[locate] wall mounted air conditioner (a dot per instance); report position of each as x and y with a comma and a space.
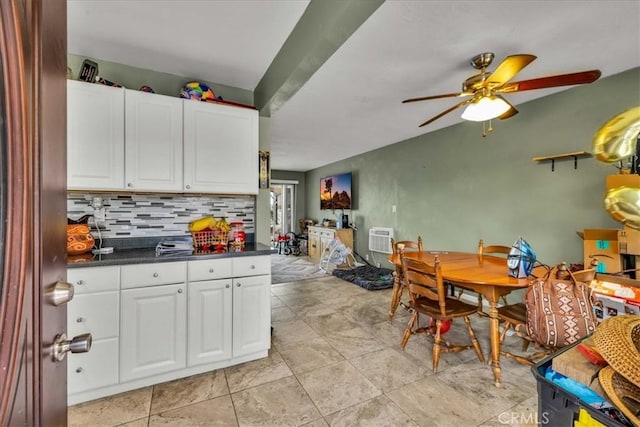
380, 239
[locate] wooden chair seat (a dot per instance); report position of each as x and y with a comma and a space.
428, 296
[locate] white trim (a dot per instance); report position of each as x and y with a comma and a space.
284, 181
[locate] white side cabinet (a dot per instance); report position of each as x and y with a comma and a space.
94, 309
95, 136
153, 135
220, 148
251, 305
153, 318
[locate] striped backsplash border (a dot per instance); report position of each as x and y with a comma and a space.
149, 215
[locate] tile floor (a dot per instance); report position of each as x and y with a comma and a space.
335, 360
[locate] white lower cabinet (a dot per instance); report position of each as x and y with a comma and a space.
209, 321
94, 309
251, 314
154, 323
154, 331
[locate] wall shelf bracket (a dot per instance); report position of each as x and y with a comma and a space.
575, 155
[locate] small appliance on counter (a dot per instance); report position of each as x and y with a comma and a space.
343, 221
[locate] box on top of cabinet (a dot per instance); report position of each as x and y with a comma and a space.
601, 245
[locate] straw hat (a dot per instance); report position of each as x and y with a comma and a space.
622, 393
617, 339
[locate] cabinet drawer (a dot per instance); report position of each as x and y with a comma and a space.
95, 369
251, 266
94, 279
97, 314
141, 275
208, 269
327, 234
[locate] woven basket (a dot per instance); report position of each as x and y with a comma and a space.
208, 239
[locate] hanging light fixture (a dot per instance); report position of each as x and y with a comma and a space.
485, 108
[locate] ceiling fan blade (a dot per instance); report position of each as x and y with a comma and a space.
447, 111
510, 112
426, 98
508, 68
578, 78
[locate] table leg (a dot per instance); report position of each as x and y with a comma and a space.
494, 331
396, 294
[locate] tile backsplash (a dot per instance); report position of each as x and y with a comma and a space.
149, 215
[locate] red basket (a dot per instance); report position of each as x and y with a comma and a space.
209, 238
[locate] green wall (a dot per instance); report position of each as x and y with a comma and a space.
454, 187
162, 83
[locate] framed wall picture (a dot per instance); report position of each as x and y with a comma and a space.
264, 175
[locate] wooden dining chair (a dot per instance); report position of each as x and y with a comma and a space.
398, 284
490, 250
514, 316
428, 296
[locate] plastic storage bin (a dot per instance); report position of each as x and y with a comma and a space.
558, 407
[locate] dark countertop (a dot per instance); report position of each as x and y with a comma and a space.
148, 255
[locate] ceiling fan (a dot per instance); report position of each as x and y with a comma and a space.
484, 89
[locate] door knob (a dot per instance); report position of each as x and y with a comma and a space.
61, 346
59, 293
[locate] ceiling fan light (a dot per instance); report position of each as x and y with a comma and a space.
486, 108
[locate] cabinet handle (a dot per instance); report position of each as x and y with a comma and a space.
211, 270
179, 291
253, 267
238, 285
227, 286
80, 319
187, 186
129, 185
155, 274
80, 282
79, 370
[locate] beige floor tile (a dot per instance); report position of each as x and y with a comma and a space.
291, 332
379, 411
294, 301
257, 372
276, 302
337, 386
214, 412
353, 342
389, 369
331, 322
282, 314
279, 403
320, 422
321, 309
524, 414
432, 403
304, 356
185, 391
112, 410
142, 422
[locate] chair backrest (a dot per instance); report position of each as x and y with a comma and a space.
492, 249
406, 244
424, 279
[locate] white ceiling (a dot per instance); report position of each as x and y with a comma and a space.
352, 104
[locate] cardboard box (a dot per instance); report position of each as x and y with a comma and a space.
601, 244
629, 241
571, 363
628, 180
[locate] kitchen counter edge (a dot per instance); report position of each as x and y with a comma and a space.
148, 256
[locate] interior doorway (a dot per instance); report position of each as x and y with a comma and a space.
283, 208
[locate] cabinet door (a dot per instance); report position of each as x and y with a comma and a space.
314, 245
95, 369
95, 136
251, 314
209, 321
153, 135
220, 148
153, 331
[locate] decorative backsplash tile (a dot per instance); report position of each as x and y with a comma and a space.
148, 215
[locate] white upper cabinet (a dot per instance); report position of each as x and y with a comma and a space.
220, 148
153, 135
95, 136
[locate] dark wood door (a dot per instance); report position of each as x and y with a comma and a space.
33, 49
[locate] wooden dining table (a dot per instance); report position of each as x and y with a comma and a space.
485, 274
